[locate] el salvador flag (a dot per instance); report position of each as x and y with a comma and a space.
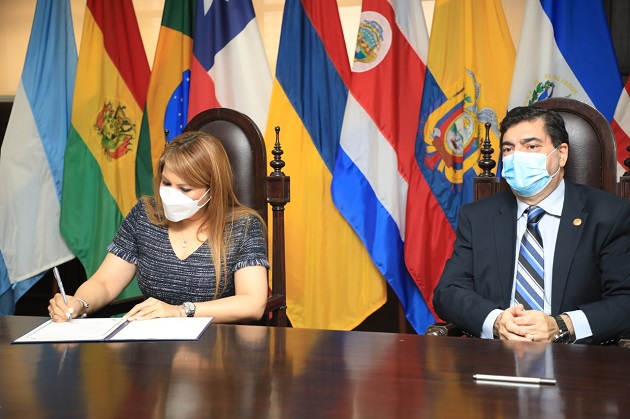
31, 161
566, 50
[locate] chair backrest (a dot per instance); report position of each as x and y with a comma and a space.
246, 151
245, 148
592, 149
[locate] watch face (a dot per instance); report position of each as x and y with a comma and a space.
190, 308
564, 337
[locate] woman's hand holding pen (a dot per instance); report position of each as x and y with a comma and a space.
59, 311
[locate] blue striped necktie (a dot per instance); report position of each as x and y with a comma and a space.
530, 272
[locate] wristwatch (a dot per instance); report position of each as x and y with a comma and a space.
563, 335
189, 308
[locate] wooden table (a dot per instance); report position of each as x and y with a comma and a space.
253, 371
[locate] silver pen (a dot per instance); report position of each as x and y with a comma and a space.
61, 290
514, 379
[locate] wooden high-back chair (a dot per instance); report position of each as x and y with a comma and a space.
246, 151
592, 161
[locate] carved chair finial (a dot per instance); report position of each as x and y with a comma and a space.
486, 164
277, 164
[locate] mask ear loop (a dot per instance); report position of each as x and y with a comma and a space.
209, 198
557, 171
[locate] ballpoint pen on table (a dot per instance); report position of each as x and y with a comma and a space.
513, 379
61, 290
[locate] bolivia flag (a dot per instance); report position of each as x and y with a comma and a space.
100, 161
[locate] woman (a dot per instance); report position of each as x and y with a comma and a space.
175, 242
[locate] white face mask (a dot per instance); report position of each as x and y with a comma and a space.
177, 206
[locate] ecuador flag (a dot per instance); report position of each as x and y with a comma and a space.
100, 160
331, 281
469, 70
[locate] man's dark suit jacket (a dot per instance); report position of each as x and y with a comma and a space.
591, 269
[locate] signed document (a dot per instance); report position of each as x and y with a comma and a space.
111, 330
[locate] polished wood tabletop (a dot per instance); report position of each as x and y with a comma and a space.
263, 372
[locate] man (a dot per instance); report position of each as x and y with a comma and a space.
548, 261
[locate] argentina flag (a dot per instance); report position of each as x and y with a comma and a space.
31, 166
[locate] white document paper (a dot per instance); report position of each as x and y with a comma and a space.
95, 330
170, 328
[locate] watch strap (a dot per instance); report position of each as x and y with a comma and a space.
563, 335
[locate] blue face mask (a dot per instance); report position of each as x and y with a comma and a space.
526, 173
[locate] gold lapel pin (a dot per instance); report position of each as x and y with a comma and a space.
577, 222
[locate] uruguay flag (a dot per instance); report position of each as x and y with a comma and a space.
229, 67
566, 50
31, 162
374, 162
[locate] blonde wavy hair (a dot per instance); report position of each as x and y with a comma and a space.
200, 160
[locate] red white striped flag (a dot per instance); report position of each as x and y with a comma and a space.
621, 127
378, 137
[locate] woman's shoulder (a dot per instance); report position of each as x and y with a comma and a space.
142, 208
246, 218
245, 223
147, 202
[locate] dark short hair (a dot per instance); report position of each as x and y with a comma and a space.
553, 122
